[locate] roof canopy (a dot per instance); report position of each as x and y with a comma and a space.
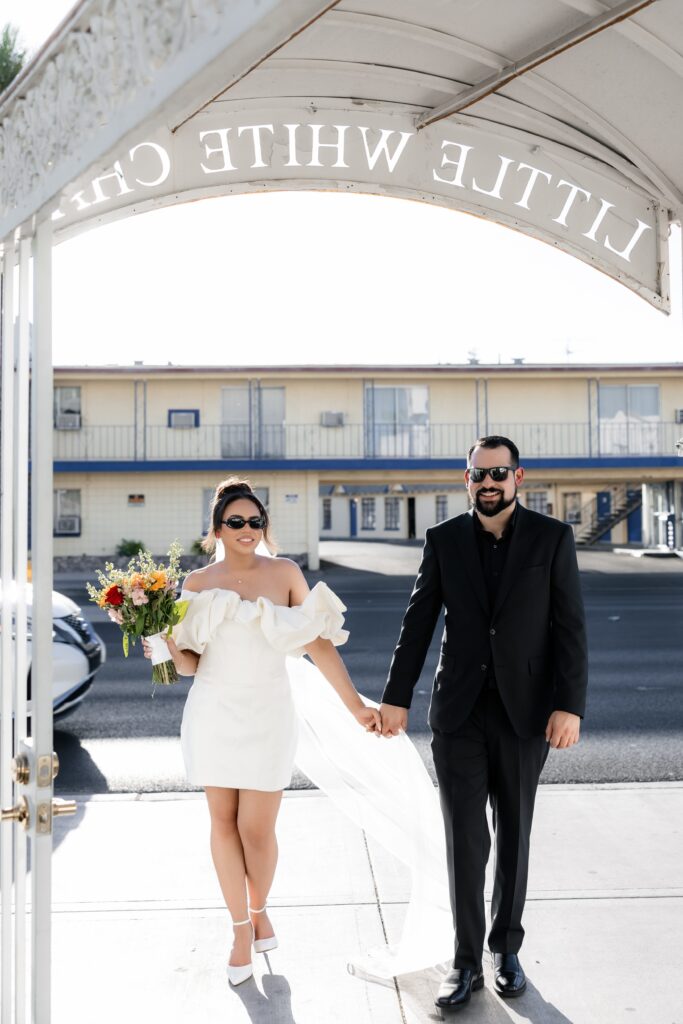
560, 119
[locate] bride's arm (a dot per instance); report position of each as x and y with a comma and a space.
185, 661
325, 657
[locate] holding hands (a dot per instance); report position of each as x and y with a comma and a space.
393, 719
369, 719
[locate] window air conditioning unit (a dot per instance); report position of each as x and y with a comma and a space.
332, 419
182, 419
678, 415
68, 421
69, 525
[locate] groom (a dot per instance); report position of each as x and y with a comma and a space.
511, 681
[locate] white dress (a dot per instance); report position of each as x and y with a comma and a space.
239, 726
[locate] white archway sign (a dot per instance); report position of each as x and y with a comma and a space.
509, 177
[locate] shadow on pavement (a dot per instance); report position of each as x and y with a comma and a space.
274, 1004
485, 1007
75, 765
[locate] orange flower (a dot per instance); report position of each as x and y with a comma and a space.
101, 601
136, 580
158, 580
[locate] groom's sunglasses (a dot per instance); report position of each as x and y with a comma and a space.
239, 522
497, 473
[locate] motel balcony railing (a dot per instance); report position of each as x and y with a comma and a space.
359, 441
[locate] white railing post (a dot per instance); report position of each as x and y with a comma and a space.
41, 668
6, 645
21, 478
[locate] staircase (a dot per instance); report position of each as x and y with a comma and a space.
594, 524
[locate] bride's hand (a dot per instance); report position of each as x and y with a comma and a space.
369, 719
147, 650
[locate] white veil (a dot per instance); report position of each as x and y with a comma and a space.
383, 786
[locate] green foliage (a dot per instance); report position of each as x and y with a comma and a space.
129, 548
11, 57
196, 547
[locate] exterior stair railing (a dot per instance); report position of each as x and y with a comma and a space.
595, 523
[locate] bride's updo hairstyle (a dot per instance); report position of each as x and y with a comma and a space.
228, 491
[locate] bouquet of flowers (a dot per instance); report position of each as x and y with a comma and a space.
141, 600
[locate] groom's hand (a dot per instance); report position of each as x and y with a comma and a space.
562, 729
393, 719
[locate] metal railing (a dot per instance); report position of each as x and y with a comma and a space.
358, 441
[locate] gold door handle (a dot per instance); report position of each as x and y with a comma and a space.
21, 769
18, 813
64, 807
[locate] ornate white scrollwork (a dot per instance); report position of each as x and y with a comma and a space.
115, 51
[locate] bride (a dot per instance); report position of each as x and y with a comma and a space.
239, 732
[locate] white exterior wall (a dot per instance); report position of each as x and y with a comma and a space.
174, 508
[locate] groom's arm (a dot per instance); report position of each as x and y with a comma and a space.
417, 629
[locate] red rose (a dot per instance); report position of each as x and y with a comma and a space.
113, 595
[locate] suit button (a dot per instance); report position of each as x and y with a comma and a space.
492, 632
483, 668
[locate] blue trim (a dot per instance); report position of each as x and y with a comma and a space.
285, 465
195, 412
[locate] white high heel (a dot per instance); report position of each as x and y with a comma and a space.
263, 945
236, 975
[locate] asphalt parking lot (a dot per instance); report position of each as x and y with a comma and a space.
123, 739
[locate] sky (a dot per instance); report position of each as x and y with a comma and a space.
333, 278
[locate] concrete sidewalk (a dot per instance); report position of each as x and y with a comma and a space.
141, 933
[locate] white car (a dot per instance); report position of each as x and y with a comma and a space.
77, 653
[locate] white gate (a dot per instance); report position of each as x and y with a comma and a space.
27, 762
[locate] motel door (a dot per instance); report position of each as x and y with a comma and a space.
28, 765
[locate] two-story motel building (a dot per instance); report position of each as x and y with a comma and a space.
371, 452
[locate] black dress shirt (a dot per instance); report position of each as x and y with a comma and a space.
493, 553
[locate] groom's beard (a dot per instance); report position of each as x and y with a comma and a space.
492, 508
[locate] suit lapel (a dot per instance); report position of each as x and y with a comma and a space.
520, 543
469, 554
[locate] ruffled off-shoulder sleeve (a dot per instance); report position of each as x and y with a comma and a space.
287, 630
321, 614
205, 612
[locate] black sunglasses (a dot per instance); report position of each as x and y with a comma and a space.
239, 522
497, 473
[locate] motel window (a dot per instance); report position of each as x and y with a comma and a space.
537, 501
397, 420
441, 507
629, 419
629, 401
327, 513
67, 408
392, 513
368, 515
572, 506
66, 513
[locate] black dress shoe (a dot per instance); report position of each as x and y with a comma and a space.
508, 977
457, 987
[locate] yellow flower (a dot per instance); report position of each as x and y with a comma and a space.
101, 601
158, 580
136, 580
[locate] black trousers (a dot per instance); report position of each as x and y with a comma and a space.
486, 760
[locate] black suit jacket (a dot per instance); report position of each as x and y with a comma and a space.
535, 633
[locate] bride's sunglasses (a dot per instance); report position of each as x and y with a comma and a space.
239, 522
497, 473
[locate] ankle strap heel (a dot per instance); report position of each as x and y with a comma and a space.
263, 945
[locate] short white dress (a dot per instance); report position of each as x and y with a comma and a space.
239, 726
